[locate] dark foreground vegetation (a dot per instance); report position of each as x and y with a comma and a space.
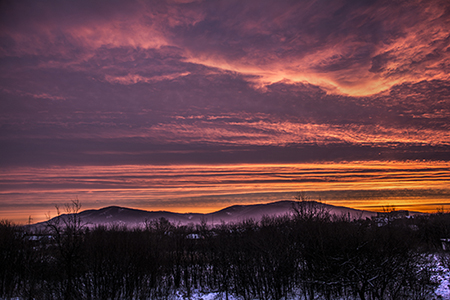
309, 255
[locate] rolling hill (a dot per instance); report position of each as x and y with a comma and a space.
115, 215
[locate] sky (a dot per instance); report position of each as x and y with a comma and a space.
197, 105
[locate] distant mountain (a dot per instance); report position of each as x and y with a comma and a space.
115, 215
238, 213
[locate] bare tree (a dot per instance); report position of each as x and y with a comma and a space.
307, 209
67, 232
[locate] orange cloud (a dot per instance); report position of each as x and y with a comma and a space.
174, 187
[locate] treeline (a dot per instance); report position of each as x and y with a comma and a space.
308, 255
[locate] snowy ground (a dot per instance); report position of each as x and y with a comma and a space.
442, 293
443, 290
205, 296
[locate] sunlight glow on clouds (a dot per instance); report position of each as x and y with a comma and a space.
282, 133
385, 48
155, 187
92, 85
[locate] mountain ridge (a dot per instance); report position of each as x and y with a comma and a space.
132, 217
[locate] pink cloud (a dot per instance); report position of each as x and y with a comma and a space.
370, 50
135, 78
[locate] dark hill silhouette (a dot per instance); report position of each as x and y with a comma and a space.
256, 211
115, 215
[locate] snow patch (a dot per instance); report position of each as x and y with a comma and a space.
443, 289
198, 295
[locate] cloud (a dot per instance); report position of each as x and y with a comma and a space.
223, 76
146, 103
346, 47
330, 45
134, 78
184, 187
36, 96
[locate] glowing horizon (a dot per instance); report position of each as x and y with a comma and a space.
206, 188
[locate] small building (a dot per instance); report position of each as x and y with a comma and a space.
384, 218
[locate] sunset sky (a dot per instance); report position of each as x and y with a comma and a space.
192, 106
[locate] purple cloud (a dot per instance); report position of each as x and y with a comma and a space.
101, 83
